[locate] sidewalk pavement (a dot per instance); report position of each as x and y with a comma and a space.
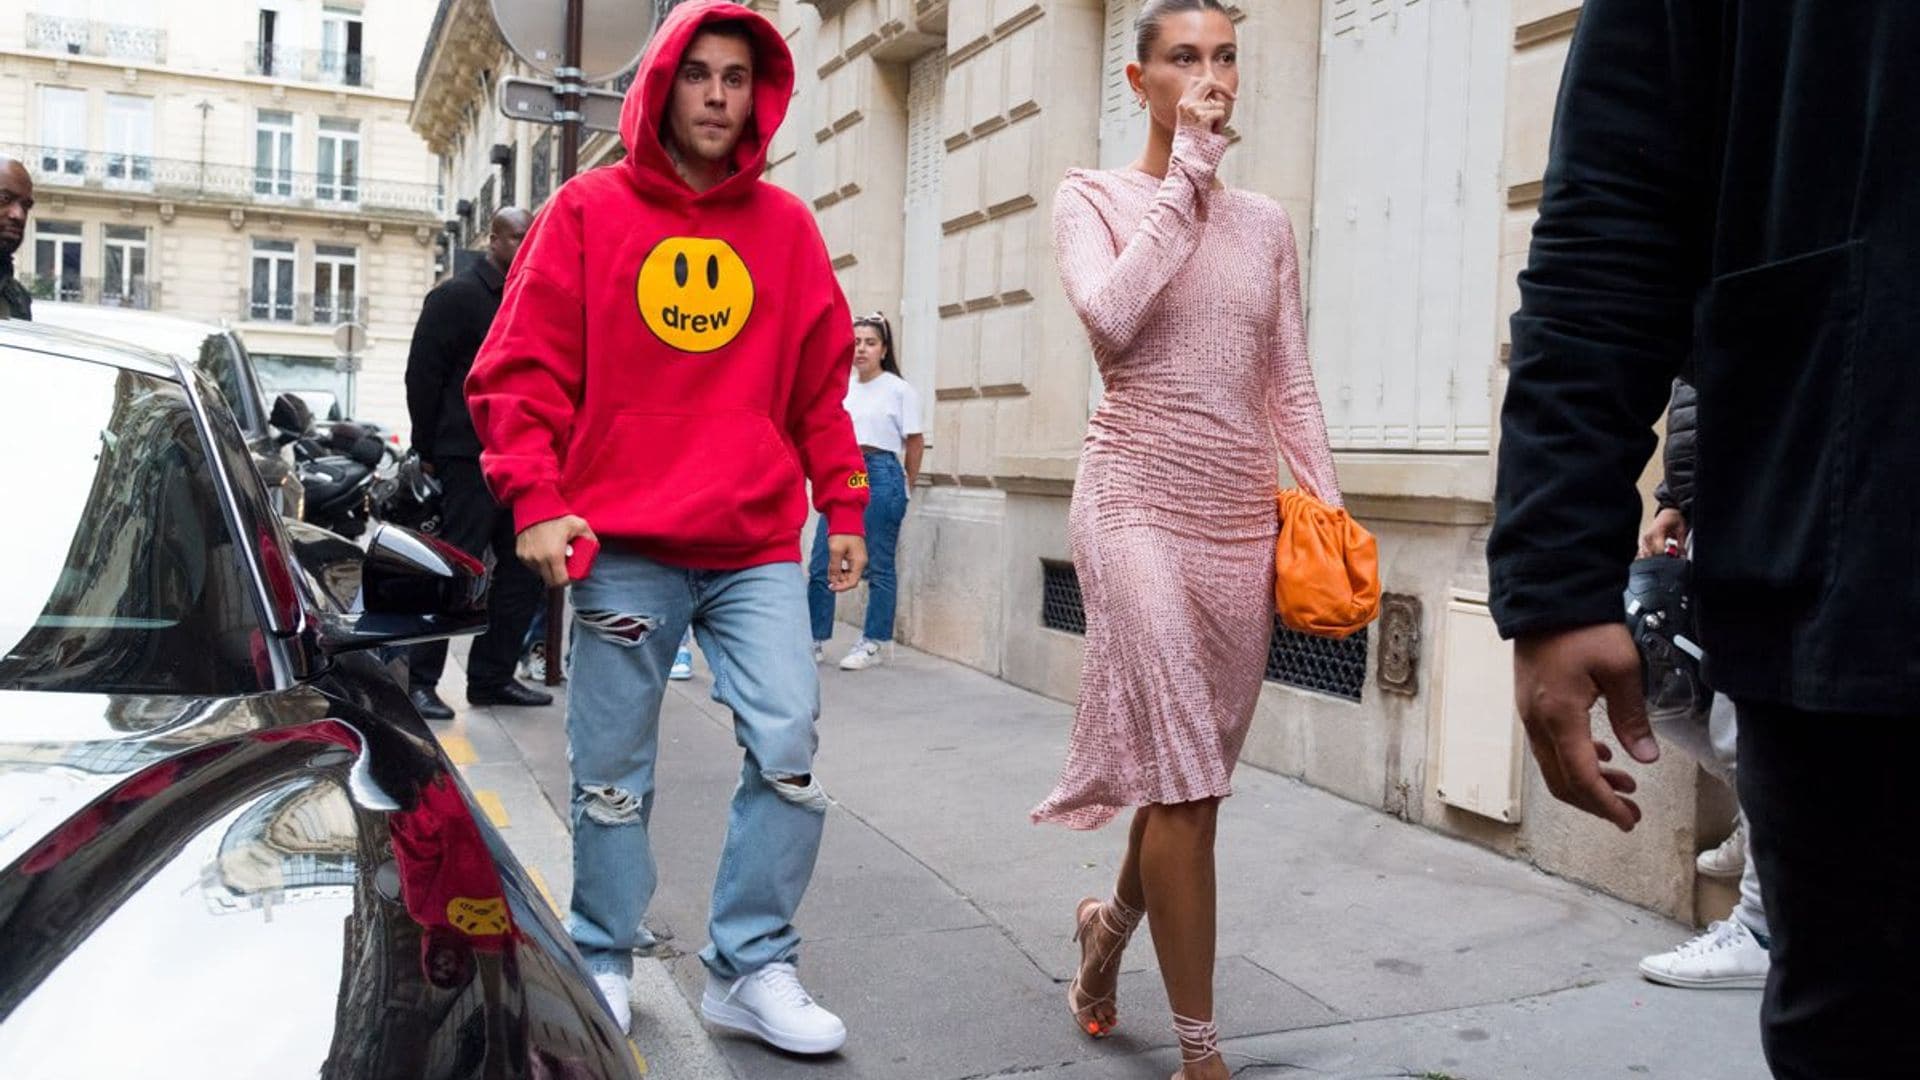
1352, 945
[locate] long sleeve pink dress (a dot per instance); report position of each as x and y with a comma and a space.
1191, 295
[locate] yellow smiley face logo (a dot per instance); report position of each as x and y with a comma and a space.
478, 918
695, 294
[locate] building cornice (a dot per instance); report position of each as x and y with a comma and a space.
463, 43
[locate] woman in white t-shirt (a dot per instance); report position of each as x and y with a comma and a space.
886, 420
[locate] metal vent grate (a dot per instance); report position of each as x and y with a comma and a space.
1060, 604
1324, 665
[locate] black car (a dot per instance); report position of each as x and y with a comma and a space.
228, 845
220, 355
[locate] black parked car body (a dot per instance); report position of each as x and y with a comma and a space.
228, 846
219, 354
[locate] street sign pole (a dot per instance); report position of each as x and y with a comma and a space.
569, 115
620, 29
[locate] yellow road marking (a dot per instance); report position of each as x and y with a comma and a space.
637, 1058
459, 750
540, 882
495, 809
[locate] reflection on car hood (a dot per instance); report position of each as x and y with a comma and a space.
277, 885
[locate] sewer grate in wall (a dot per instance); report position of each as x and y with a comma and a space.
1323, 665
1337, 667
1060, 605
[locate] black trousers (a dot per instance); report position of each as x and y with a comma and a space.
1830, 805
474, 523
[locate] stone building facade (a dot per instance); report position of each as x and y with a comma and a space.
1407, 139
248, 163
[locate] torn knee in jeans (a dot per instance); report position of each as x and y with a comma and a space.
611, 805
799, 790
623, 629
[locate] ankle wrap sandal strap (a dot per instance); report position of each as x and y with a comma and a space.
1199, 1039
1121, 921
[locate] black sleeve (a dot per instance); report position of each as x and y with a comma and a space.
1676, 487
429, 365
1606, 305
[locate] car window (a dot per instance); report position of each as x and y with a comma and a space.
224, 361
122, 574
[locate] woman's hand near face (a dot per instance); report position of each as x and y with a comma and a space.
1206, 105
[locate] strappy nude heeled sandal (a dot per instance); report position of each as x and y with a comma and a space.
1115, 918
1199, 1040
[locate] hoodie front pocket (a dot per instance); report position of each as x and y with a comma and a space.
721, 480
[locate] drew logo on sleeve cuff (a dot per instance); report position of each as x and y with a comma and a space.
857, 480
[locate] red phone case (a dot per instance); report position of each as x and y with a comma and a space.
580, 555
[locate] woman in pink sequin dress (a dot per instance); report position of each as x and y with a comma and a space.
1190, 292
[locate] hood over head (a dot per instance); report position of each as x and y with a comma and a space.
646, 107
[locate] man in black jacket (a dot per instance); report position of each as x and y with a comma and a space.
16, 202
453, 323
1731, 189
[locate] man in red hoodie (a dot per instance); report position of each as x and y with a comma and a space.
664, 377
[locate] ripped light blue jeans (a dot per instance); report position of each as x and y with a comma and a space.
752, 627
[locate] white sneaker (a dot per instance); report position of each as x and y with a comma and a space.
863, 655
682, 668
533, 666
819, 652
772, 1005
1726, 957
1729, 860
617, 998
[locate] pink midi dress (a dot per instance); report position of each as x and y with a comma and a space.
1191, 295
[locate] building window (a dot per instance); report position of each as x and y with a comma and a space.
273, 153
335, 283
483, 214
56, 260
130, 141
266, 47
540, 171
271, 297
341, 57
339, 159
63, 135
125, 282
1410, 207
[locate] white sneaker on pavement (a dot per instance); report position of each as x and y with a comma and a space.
819, 652
863, 655
617, 998
771, 1005
682, 668
1726, 957
1729, 860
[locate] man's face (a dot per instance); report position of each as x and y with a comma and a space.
503, 243
16, 202
712, 98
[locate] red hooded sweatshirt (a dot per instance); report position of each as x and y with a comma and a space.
671, 365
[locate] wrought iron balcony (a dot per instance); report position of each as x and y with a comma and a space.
330, 66
174, 178
142, 295
302, 309
86, 37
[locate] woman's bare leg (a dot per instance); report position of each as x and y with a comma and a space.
1105, 933
1177, 874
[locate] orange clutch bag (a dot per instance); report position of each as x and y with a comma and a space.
1326, 568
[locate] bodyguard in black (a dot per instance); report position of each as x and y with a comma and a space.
453, 323
16, 202
1732, 191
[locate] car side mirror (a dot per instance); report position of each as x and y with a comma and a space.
413, 588
290, 416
